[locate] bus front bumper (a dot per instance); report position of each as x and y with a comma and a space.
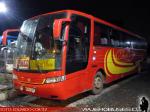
50, 91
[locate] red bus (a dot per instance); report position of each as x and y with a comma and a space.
7, 41
5, 36
64, 53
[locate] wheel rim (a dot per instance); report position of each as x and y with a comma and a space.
97, 82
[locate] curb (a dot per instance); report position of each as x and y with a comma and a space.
3, 96
4, 92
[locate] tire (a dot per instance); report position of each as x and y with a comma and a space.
97, 83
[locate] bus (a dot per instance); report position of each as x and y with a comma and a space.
10, 39
65, 53
9, 36
7, 43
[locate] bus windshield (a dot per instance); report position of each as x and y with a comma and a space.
36, 48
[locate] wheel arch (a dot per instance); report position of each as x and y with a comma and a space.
103, 74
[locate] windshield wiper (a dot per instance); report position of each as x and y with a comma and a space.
25, 37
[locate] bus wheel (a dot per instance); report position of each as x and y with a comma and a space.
97, 83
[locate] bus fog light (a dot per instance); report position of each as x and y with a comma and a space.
55, 79
15, 77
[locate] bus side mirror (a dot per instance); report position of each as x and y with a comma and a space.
57, 27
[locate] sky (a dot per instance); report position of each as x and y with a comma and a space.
132, 15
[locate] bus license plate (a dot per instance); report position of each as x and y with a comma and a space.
32, 90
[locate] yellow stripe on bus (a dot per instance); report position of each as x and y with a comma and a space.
112, 68
119, 62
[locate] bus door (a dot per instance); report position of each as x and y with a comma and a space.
78, 52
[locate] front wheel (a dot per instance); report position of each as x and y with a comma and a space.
97, 83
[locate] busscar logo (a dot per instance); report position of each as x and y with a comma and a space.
144, 104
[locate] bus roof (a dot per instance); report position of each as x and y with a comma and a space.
95, 19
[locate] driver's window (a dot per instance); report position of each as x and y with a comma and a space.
78, 44
44, 37
75, 44
44, 43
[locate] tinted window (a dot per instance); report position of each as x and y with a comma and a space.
138, 43
78, 44
114, 37
100, 34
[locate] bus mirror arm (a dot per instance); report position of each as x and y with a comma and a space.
57, 27
63, 41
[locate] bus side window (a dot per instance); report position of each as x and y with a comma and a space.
125, 40
114, 37
100, 34
137, 43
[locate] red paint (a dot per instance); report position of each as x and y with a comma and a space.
57, 26
79, 81
5, 33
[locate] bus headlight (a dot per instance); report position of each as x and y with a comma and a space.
55, 79
15, 77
